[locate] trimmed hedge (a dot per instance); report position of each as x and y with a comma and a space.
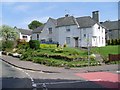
34, 44
113, 42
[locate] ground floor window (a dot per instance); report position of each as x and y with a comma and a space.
37, 36
24, 37
50, 39
68, 40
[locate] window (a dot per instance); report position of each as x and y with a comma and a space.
43, 40
102, 40
68, 28
50, 39
99, 39
84, 35
24, 36
84, 28
99, 27
102, 30
50, 30
68, 40
94, 38
37, 36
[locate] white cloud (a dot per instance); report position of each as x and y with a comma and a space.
21, 8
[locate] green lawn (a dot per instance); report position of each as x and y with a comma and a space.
104, 51
73, 57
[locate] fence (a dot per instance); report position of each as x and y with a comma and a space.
114, 57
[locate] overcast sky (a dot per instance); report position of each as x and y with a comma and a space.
20, 14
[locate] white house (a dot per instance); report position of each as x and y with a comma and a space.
25, 34
75, 32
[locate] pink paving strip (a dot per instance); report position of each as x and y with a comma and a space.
106, 79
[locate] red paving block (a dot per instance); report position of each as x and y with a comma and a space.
106, 79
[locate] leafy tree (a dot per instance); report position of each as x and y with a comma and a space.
34, 24
8, 33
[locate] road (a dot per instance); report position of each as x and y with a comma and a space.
13, 77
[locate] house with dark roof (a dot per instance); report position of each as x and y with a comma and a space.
25, 34
75, 32
112, 31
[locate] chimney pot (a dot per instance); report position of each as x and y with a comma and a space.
66, 15
95, 15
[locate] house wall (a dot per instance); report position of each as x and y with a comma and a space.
27, 39
85, 37
45, 33
98, 36
34, 36
62, 34
112, 34
93, 35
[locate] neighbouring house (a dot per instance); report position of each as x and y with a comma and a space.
25, 34
75, 32
112, 31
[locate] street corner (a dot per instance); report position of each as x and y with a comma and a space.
105, 79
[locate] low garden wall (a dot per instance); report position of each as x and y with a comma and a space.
114, 57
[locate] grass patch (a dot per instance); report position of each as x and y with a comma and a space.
105, 51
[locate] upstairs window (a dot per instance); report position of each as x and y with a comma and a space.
99, 27
84, 35
50, 30
68, 28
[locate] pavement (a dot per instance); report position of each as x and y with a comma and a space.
28, 65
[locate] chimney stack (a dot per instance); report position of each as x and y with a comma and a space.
67, 15
95, 15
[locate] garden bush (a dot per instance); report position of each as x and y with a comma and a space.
48, 45
113, 42
34, 44
92, 57
9, 44
58, 50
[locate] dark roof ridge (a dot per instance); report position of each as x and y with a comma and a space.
24, 29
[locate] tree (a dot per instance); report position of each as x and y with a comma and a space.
8, 33
34, 24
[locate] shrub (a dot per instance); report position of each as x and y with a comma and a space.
34, 44
108, 42
23, 46
47, 45
0, 45
58, 50
65, 45
7, 44
21, 41
92, 57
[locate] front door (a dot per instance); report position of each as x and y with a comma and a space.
76, 41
